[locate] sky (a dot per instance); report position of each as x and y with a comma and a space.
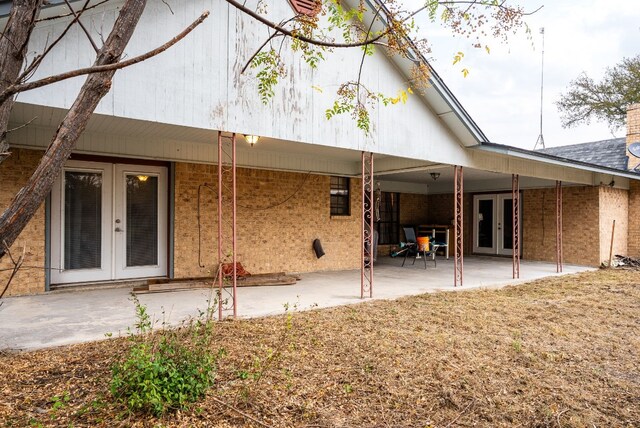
502, 89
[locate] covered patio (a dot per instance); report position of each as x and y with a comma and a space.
65, 317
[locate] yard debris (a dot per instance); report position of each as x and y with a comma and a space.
241, 272
627, 262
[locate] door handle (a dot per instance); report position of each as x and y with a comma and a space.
117, 229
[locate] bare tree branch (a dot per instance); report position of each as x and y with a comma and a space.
64, 15
291, 34
22, 126
240, 412
17, 264
26, 202
364, 52
13, 49
168, 6
77, 18
271, 37
14, 89
38, 60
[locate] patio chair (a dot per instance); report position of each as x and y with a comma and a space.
418, 250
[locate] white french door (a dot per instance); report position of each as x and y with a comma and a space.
493, 224
80, 210
140, 222
108, 222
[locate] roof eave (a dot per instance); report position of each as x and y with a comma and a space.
443, 92
554, 160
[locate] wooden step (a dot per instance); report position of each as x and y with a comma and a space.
163, 285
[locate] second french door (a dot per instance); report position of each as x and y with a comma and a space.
108, 221
140, 221
493, 224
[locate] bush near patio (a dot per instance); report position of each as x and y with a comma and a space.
165, 370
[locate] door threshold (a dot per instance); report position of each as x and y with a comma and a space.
101, 285
495, 256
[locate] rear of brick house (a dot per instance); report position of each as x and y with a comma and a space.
138, 198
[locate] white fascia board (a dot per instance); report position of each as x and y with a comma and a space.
437, 96
525, 154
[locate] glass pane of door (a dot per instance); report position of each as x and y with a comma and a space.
387, 213
485, 223
82, 220
142, 220
507, 224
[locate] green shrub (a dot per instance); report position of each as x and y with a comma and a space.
165, 370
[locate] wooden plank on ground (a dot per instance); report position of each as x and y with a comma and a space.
163, 285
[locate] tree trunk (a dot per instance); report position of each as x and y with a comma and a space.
13, 48
31, 196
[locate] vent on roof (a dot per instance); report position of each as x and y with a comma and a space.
306, 7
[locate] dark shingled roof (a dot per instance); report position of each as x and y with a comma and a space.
608, 153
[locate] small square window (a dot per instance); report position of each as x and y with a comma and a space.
340, 196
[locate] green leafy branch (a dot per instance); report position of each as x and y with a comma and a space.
356, 99
270, 70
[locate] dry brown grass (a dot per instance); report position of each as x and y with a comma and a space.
555, 352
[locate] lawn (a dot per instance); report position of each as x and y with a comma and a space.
563, 351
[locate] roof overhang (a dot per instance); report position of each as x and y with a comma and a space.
517, 152
437, 96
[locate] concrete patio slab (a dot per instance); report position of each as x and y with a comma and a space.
65, 317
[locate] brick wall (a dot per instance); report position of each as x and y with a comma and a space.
413, 209
441, 212
14, 173
189, 250
614, 205
633, 131
272, 240
634, 220
581, 225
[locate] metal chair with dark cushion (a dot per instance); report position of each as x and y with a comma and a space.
418, 250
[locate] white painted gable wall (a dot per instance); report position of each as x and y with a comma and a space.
197, 83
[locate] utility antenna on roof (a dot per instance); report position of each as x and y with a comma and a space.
540, 140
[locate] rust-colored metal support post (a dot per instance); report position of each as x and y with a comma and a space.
458, 256
367, 250
227, 224
559, 255
515, 198
220, 275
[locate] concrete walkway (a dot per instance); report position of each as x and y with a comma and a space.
65, 317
